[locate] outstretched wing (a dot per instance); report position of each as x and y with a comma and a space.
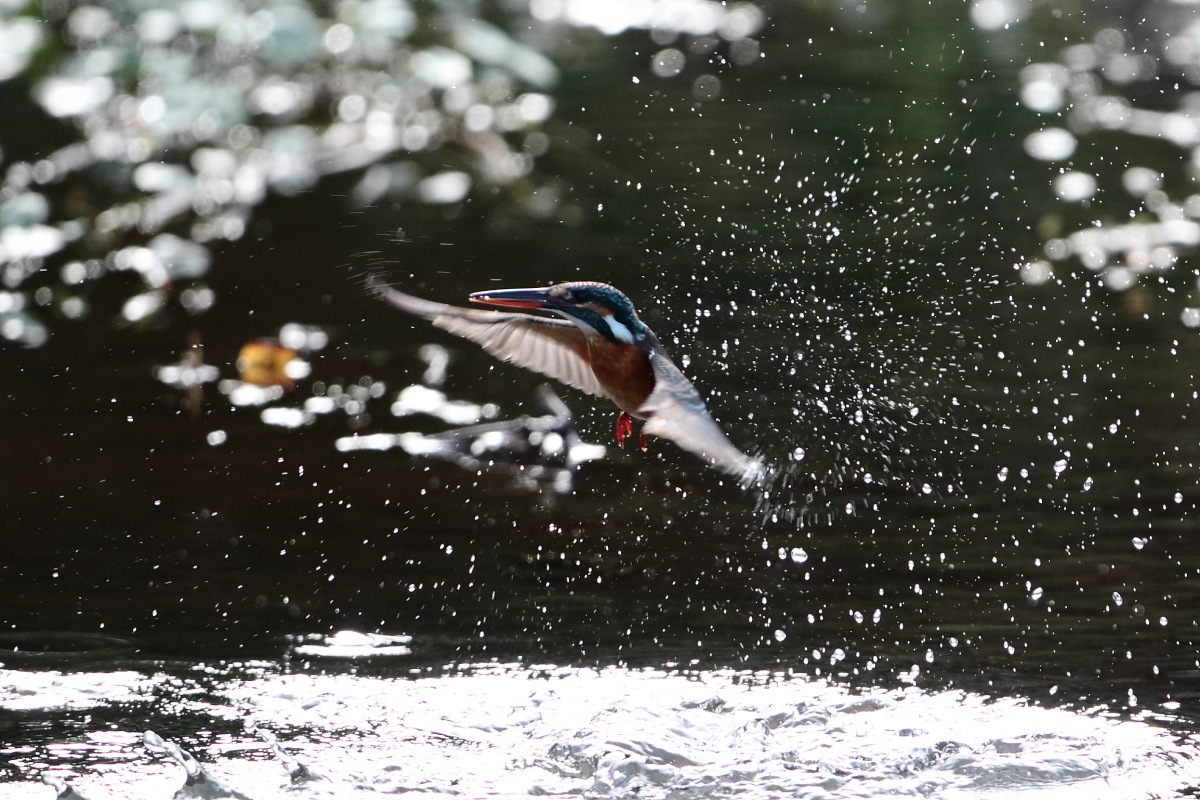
675, 411
550, 346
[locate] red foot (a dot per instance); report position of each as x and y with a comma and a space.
642, 440
624, 428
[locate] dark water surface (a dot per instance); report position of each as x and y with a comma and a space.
987, 452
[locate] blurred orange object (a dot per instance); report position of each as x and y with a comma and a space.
264, 362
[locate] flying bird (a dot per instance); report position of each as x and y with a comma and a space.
601, 347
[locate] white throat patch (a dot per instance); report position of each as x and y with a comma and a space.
619, 330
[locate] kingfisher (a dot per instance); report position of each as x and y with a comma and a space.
599, 346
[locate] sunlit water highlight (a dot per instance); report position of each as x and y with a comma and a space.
509, 731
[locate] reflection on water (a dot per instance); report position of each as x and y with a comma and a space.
538, 452
190, 115
1138, 232
508, 732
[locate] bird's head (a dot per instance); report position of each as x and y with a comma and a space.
597, 308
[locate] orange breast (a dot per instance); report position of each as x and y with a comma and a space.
623, 370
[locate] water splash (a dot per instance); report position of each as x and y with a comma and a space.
615, 733
199, 784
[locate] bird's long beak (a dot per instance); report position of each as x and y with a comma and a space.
518, 298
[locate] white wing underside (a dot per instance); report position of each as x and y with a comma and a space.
675, 411
552, 347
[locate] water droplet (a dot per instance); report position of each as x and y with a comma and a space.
1074, 186
668, 63
1051, 144
706, 87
